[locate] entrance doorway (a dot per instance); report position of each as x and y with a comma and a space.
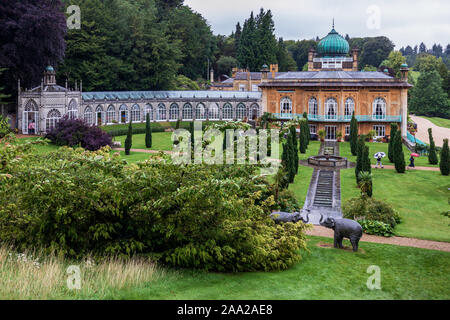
99, 118
330, 133
30, 123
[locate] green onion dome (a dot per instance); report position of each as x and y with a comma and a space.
333, 44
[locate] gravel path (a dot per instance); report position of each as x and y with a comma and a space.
439, 133
399, 241
407, 168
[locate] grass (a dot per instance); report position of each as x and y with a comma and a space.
375, 147
323, 273
440, 122
160, 141
419, 196
301, 184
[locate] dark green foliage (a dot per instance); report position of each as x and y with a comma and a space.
394, 128
148, 132
366, 166
444, 164
4, 127
213, 218
354, 135
293, 136
307, 131
377, 228
365, 183
302, 139
399, 156
129, 139
288, 158
370, 209
432, 156
359, 157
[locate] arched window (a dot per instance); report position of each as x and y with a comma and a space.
99, 116
110, 114
135, 113
379, 109
187, 112
200, 112
53, 118
312, 108
349, 108
213, 112
149, 111
30, 118
241, 111
174, 112
254, 111
227, 112
88, 115
286, 105
331, 109
123, 113
161, 112
73, 109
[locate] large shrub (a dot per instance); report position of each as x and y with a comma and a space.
377, 228
366, 208
75, 132
77, 202
4, 127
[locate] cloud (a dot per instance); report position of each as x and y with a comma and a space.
405, 22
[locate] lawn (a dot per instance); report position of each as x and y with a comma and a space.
419, 196
375, 147
323, 273
160, 141
440, 122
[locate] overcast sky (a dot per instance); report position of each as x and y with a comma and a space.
405, 22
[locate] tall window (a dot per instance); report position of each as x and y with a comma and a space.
53, 118
227, 112
380, 131
123, 113
161, 112
110, 114
349, 108
254, 111
331, 109
187, 112
312, 108
148, 110
30, 118
241, 111
99, 116
286, 105
379, 109
312, 129
88, 115
135, 113
174, 112
213, 112
73, 109
200, 112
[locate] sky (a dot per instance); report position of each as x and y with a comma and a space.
405, 22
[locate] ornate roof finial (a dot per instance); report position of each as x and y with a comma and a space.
333, 22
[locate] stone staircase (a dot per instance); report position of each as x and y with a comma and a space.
324, 189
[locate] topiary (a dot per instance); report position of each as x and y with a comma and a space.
148, 132
399, 156
444, 164
432, 156
129, 139
394, 128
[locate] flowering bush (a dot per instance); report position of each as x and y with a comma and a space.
75, 132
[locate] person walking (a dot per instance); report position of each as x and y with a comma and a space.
379, 164
411, 162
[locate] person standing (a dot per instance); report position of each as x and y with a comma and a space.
411, 162
379, 162
31, 127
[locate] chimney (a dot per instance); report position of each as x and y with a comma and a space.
355, 54
273, 70
311, 54
264, 73
404, 72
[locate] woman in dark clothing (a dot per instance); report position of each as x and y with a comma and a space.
411, 162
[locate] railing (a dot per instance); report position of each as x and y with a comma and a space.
338, 118
412, 139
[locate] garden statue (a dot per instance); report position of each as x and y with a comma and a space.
282, 217
343, 228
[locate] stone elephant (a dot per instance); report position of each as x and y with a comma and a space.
283, 217
343, 228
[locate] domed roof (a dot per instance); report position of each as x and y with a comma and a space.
49, 68
333, 44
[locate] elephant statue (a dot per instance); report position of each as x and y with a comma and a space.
282, 217
343, 228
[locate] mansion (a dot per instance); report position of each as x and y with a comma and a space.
329, 92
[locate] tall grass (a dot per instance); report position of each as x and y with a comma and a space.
31, 275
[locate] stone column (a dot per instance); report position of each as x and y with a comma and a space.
404, 111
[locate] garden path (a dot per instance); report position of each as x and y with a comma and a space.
415, 168
439, 133
399, 241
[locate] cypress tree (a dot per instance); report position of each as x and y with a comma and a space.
394, 128
366, 166
432, 156
445, 159
399, 156
302, 138
148, 132
295, 158
308, 135
191, 130
129, 139
354, 135
359, 159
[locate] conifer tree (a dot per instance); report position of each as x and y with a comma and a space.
399, 156
359, 159
308, 135
394, 128
148, 132
444, 165
432, 156
129, 139
293, 136
366, 166
354, 135
302, 138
